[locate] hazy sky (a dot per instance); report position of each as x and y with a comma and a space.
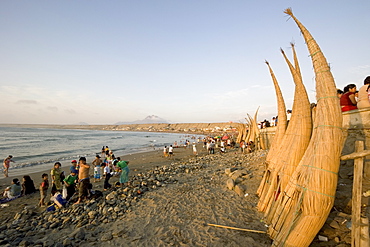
100, 62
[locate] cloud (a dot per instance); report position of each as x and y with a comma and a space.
361, 69
52, 108
70, 111
27, 102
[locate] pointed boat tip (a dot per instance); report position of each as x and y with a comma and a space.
288, 11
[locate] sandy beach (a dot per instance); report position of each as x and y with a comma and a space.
170, 202
139, 162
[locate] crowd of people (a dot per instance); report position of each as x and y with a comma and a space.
77, 182
210, 144
351, 99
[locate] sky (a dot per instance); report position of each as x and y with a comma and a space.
103, 62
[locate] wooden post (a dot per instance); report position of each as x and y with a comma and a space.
356, 196
359, 225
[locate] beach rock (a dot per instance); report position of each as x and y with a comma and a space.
240, 189
16, 241
54, 225
230, 184
236, 174
106, 237
58, 245
334, 223
4, 242
79, 234
67, 242
17, 216
24, 243
111, 202
118, 233
92, 214
111, 196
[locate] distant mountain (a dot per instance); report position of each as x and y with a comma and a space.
82, 123
148, 120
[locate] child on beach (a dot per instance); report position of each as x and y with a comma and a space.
97, 166
6, 165
170, 151
44, 186
107, 175
69, 183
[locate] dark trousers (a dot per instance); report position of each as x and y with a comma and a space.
107, 185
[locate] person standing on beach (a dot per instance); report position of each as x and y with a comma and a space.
165, 152
195, 152
73, 166
123, 165
6, 165
44, 186
107, 175
84, 180
170, 151
97, 167
55, 178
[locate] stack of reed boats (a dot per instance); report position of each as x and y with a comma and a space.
298, 188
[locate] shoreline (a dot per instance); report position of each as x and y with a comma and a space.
139, 161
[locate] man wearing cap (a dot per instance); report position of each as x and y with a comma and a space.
6, 165
84, 179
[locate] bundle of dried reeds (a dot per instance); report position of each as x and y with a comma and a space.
259, 141
275, 147
241, 132
293, 144
281, 127
310, 193
297, 136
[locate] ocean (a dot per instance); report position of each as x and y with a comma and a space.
36, 149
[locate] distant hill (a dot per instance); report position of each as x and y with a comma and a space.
148, 120
82, 123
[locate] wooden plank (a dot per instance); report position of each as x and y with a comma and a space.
357, 154
356, 196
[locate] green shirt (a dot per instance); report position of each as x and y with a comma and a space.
122, 164
70, 179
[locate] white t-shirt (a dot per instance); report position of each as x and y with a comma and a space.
106, 170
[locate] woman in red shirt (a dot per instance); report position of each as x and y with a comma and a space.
348, 100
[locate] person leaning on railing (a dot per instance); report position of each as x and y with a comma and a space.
348, 100
363, 95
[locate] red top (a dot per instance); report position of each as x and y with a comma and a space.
346, 102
